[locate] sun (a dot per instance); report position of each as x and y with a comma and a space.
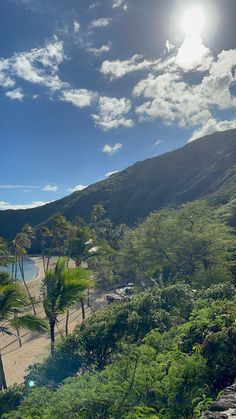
193, 21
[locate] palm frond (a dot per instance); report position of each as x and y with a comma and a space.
5, 331
72, 292
5, 278
12, 297
30, 322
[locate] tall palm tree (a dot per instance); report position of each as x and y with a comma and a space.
61, 288
14, 304
21, 244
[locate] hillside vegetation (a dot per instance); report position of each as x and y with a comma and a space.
203, 168
163, 352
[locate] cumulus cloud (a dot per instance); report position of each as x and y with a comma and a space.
120, 3
50, 188
77, 188
5, 80
15, 94
101, 22
225, 63
112, 149
193, 55
108, 174
79, 97
212, 125
112, 113
101, 50
119, 68
37, 66
8, 206
169, 96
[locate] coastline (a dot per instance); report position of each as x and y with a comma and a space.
34, 283
36, 347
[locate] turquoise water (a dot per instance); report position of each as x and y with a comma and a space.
29, 267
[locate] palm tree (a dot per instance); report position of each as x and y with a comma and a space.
60, 231
45, 234
21, 244
13, 315
61, 288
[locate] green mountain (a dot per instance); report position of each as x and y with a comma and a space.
203, 168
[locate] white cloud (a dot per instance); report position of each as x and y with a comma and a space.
76, 26
225, 63
101, 22
50, 188
8, 206
173, 99
112, 149
15, 94
79, 97
157, 142
119, 68
108, 174
212, 125
169, 46
18, 187
101, 50
37, 66
77, 188
193, 55
120, 3
5, 80
94, 5
112, 113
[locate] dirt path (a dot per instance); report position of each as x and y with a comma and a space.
36, 347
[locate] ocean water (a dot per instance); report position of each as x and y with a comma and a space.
29, 267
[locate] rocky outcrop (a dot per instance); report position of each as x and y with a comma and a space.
223, 408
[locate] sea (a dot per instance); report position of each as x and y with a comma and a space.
29, 267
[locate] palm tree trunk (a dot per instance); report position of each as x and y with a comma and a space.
48, 261
44, 267
3, 383
16, 269
82, 308
18, 332
21, 266
67, 322
12, 269
88, 298
52, 336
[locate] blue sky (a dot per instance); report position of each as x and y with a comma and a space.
89, 87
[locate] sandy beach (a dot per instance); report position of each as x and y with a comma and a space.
36, 347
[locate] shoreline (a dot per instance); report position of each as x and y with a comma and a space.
38, 261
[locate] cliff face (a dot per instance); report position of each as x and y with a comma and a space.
223, 408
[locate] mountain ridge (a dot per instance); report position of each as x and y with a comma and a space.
203, 168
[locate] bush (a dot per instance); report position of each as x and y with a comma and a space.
11, 399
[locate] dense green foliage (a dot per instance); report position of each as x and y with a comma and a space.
165, 351
169, 373
190, 245
202, 168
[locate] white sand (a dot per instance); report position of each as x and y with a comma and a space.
35, 347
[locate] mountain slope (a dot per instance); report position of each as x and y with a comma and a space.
203, 168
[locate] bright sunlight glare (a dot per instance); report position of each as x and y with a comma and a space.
193, 21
